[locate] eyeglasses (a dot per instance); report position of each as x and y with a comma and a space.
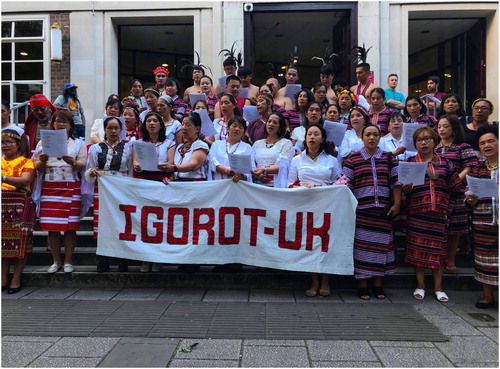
481, 108
426, 139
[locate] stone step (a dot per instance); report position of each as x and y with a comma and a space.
248, 278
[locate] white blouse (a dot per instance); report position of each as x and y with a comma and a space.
351, 142
389, 143
161, 149
125, 164
218, 155
200, 173
221, 127
172, 128
58, 169
323, 171
299, 134
267, 155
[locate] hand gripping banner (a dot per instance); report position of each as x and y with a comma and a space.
219, 222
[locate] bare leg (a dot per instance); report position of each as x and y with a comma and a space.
438, 278
55, 246
313, 290
452, 253
18, 270
69, 246
487, 293
362, 285
5, 272
325, 283
419, 273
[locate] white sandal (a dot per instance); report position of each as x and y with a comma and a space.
441, 296
419, 293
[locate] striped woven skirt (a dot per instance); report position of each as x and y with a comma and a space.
485, 239
60, 204
18, 219
373, 245
96, 209
458, 218
426, 244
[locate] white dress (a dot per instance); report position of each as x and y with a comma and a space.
200, 173
323, 171
161, 149
218, 155
389, 144
351, 142
268, 155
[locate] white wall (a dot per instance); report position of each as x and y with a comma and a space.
369, 33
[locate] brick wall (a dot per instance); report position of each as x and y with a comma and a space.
60, 73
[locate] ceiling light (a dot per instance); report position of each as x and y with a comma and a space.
23, 53
283, 67
280, 75
418, 90
447, 75
164, 65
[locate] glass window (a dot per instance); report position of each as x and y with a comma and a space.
28, 28
29, 51
6, 51
6, 29
6, 92
6, 71
28, 71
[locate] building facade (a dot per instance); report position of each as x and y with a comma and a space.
106, 43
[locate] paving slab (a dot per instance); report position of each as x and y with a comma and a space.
469, 349
330, 350
95, 294
65, 362
300, 296
346, 364
400, 344
212, 349
82, 347
19, 354
143, 294
274, 357
181, 294
474, 316
24, 292
148, 353
257, 342
477, 365
452, 325
226, 295
412, 357
350, 296
189, 363
271, 296
29, 339
52, 293
492, 333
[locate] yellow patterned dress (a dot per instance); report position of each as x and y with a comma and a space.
18, 210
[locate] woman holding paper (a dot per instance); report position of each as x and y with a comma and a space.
453, 147
352, 142
427, 208
257, 128
207, 87
297, 117
111, 157
379, 113
481, 111
314, 167
229, 110
219, 151
314, 117
273, 154
372, 175
172, 125
18, 211
416, 112
60, 199
485, 217
393, 142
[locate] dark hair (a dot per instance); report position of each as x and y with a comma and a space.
335, 105
161, 134
209, 78
460, 111
195, 118
393, 75
321, 119
6, 103
229, 61
318, 85
365, 66
423, 108
429, 131
379, 91
133, 81
322, 145
244, 71
232, 78
309, 94
233, 101
490, 128
204, 102
67, 116
368, 126
112, 102
434, 79
283, 127
153, 90
13, 132
340, 81
135, 110
171, 82
456, 126
293, 67
239, 120
113, 97
327, 70
109, 119
268, 86
197, 67
397, 114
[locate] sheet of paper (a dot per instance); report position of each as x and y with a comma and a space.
335, 131
144, 103
410, 172
291, 90
240, 163
54, 142
222, 83
207, 126
243, 92
482, 187
408, 131
250, 113
193, 98
146, 155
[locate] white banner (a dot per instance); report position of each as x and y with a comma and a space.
219, 222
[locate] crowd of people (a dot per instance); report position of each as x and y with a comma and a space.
289, 148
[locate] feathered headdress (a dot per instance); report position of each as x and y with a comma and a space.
230, 54
362, 53
293, 58
329, 58
192, 64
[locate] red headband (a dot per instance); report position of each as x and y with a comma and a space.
161, 70
39, 100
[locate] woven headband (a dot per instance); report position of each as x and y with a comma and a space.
12, 135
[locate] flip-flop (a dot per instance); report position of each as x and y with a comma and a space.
450, 268
419, 294
441, 296
311, 292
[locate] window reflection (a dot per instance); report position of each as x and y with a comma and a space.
28, 29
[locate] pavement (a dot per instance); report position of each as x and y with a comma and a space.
466, 336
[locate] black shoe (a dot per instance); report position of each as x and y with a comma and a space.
123, 265
6, 287
378, 291
485, 305
189, 268
103, 264
10, 291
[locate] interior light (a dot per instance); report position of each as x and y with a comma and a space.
164, 65
283, 67
23, 53
418, 90
447, 75
280, 75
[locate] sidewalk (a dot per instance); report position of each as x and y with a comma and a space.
119, 329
